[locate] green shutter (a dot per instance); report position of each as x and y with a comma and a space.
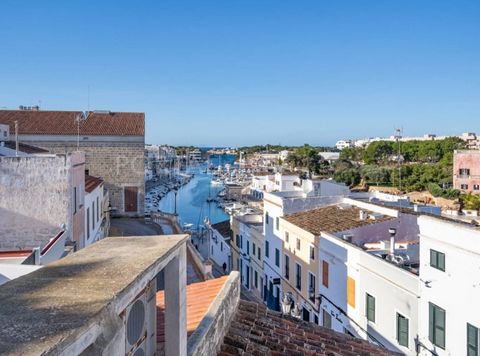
437, 330
440, 327
402, 330
431, 322
370, 308
441, 261
472, 340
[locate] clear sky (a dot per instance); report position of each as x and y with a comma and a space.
243, 72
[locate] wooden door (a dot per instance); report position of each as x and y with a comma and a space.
131, 194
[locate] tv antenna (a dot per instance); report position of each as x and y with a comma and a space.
398, 136
78, 118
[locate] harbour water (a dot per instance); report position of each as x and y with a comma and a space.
192, 205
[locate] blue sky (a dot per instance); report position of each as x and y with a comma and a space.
235, 73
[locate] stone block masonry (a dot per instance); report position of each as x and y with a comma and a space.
120, 164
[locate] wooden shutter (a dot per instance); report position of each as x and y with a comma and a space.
325, 273
351, 292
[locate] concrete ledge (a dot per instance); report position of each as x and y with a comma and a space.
208, 337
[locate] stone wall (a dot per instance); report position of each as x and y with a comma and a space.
120, 164
208, 337
35, 200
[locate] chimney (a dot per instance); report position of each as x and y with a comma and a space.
392, 231
363, 215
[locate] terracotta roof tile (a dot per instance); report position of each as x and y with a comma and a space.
332, 219
91, 183
64, 122
199, 297
255, 330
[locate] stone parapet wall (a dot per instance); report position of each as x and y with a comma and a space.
208, 337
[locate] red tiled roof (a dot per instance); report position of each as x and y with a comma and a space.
255, 330
91, 183
199, 297
33, 122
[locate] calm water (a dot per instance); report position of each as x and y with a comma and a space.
192, 207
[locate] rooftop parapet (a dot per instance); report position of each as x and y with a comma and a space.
83, 302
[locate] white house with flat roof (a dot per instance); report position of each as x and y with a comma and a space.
450, 287
362, 276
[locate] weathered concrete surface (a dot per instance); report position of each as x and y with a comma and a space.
208, 337
36, 197
48, 310
133, 227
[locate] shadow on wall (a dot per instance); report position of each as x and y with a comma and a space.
18, 231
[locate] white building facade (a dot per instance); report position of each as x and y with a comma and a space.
450, 287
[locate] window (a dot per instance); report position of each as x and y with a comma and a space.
237, 241
88, 223
277, 223
476, 187
402, 330
212, 250
436, 325
286, 236
312, 253
298, 276
256, 279
437, 260
266, 218
311, 287
248, 247
370, 308
253, 248
464, 186
464, 172
221, 246
287, 267
351, 292
325, 274
98, 210
472, 340
277, 257
259, 253
298, 244
241, 241
327, 319
267, 249
74, 200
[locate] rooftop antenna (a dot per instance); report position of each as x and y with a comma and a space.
398, 136
16, 138
78, 118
